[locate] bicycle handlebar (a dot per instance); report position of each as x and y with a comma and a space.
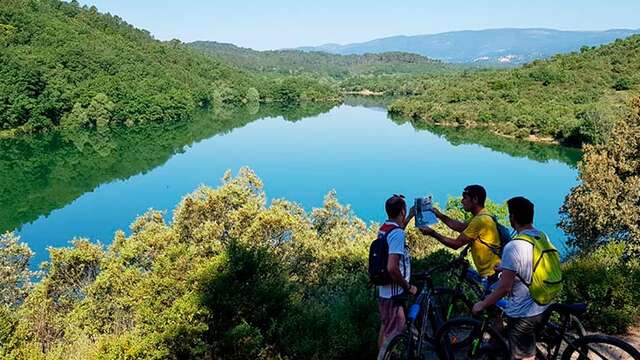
427, 274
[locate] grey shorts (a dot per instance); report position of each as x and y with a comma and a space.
522, 335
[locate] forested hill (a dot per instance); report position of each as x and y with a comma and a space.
336, 66
63, 64
573, 98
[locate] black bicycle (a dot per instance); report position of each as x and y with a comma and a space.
471, 338
423, 318
434, 306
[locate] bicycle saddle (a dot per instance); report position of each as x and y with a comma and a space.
573, 309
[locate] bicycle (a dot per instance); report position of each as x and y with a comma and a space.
428, 313
423, 318
483, 341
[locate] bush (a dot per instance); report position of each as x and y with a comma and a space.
609, 282
621, 84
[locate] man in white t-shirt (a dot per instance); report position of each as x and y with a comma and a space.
524, 315
399, 267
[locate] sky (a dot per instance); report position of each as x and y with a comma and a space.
280, 24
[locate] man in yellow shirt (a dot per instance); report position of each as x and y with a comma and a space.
481, 232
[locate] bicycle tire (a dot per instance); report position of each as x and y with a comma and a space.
395, 348
490, 344
600, 347
549, 338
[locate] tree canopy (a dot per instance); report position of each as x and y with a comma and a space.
606, 204
66, 65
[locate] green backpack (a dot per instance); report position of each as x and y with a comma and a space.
546, 274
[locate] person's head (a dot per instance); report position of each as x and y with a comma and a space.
396, 207
520, 211
473, 197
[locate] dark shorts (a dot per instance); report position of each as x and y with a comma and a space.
392, 316
522, 335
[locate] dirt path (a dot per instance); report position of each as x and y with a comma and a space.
633, 336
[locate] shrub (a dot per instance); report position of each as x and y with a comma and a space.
605, 205
609, 282
621, 84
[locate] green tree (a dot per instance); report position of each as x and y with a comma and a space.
605, 206
15, 276
100, 110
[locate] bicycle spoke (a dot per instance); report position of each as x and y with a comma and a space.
601, 348
396, 349
463, 339
600, 352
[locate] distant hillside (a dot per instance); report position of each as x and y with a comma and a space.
494, 46
63, 65
337, 66
573, 98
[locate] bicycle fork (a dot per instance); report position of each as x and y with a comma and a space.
475, 344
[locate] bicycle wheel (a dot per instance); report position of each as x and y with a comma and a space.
395, 348
477, 342
550, 340
600, 347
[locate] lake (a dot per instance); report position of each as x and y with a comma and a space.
59, 186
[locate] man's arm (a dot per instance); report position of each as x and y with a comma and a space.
393, 267
411, 215
504, 287
453, 224
452, 243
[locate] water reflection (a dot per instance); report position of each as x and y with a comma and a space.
56, 186
42, 173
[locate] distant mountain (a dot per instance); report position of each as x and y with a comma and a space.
494, 46
293, 62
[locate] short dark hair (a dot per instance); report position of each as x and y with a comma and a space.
521, 209
476, 191
394, 205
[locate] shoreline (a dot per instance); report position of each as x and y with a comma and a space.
364, 92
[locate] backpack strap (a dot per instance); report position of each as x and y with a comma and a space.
495, 250
385, 237
530, 239
391, 229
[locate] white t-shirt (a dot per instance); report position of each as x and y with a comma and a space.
397, 245
517, 256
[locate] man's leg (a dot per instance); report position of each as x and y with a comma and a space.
522, 337
392, 318
383, 307
399, 320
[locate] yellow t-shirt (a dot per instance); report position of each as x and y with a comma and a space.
482, 228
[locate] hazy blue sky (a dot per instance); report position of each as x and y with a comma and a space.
290, 23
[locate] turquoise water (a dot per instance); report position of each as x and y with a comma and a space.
356, 150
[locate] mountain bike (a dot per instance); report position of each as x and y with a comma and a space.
424, 316
480, 340
434, 306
